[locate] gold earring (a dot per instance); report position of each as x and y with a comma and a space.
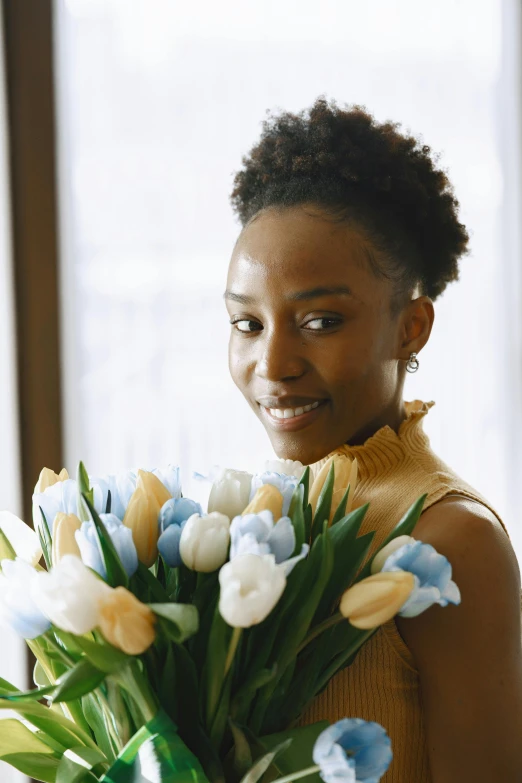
413, 363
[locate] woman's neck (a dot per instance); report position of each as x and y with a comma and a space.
392, 416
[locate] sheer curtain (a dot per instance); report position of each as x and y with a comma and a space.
12, 649
158, 101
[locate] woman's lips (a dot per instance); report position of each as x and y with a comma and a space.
295, 422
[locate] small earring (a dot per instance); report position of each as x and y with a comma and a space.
413, 363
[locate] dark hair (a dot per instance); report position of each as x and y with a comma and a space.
367, 173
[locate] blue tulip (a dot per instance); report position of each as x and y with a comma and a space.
17, 607
285, 484
121, 537
168, 544
60, 497
432, 572
353, 751
256, 534
170, 478
176, 511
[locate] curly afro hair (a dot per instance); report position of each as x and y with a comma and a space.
369, 174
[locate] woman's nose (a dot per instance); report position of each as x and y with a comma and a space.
279, 358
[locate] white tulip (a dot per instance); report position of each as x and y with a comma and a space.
204, 542
70, 595
22, 538
250, 588
230, 492
383, 554
287, 467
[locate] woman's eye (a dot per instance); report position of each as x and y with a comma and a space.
246, 325
321, 324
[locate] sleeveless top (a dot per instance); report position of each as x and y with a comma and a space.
382, 684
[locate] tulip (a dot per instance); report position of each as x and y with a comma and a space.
345, 473
121, 537
22, 538
125, 622
286, 467
256, 534
172, 519
61, 496
64, 541
431, 572
250, 588
230, 492
376, 599
121, 486
352, 750
204, 542
48, 477
285, 485
170, 479
69, 595
169, 543
17, 606
384, 553
266, 498
142, 515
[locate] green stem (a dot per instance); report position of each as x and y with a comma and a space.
236, 636
296, 775
329, 623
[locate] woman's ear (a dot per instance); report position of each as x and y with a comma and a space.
417, 321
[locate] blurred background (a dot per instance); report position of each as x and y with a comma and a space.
122, 123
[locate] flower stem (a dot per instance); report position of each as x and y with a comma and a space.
328, 623
236, 636
301, 774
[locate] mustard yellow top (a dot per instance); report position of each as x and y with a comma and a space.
382, 684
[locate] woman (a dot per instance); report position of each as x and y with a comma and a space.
350, 233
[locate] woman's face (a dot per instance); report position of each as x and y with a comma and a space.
312, 327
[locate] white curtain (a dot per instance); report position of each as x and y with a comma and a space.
12, 649
158, 102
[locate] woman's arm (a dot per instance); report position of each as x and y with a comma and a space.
469, 657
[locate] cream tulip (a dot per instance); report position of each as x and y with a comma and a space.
230, 492
125, 622
204, 542
345, 473
22, 538
64, 541
267, 498
376, 599
251, 585
142, 515
48, 477
384, 553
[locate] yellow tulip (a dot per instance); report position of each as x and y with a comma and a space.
125, 622
48, 477
64, 541
266, 498
376, 599
345, 473
142, 515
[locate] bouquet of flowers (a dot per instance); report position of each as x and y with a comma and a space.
174, 645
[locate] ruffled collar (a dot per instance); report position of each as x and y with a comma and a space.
386, 448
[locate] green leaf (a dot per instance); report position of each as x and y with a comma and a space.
148, 586
6, 549
260, 767
404, 527
81, 679
242, 755
324, 503
101, 655
17, 738
243, 698
95, 718
116, 574
341, 508
214, 668
44, 534
297, 516
85, 491
76, 765
298, 755
40, 678
181, 621
37, 766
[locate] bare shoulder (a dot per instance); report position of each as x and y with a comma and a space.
484, 566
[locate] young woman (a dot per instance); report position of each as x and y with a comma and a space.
350, 233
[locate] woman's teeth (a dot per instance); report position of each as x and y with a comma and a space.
289, 413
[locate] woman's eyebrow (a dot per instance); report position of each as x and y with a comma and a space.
298, 296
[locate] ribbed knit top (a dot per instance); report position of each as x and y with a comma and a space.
382, 684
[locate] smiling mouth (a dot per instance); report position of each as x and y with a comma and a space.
284, 419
